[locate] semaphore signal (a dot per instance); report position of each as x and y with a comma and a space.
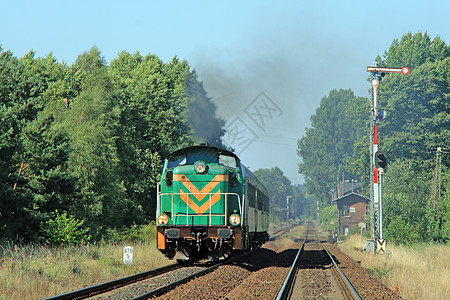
378, 157
376, 69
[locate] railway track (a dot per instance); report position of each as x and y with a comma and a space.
259, 274
172, 285
282, 231
188, 272
314, 273
114, 284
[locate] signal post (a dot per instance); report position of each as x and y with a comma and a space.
378, 158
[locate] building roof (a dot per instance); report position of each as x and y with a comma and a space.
349, 186
348, 195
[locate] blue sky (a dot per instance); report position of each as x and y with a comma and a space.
280, 56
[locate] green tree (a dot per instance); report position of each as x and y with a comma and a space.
328, 217
418, 111
158, 102
91, 124
23, 82
45, 150
279, 188
405, 195
152, 114
13, 205
415, 50
338, 123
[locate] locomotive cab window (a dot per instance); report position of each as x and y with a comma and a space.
176, 161
228, 161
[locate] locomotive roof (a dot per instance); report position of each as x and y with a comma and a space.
198, 147
245, 171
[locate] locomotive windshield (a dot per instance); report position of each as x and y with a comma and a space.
227, 160
176, 161
209, 156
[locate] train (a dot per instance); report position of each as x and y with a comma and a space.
209, 205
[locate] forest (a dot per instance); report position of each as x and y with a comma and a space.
84, 143
415, 135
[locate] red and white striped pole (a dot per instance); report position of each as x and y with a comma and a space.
374, 82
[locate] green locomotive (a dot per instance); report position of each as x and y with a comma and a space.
209, 205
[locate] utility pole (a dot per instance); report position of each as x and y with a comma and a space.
437, 178
287, 207
318, 212
436, 187
378, 161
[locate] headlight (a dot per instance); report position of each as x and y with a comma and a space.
200, 167
163, 219
235, 219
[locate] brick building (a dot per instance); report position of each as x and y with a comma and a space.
352, 208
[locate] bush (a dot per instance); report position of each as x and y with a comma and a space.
401, 232
328, 218
64, 230
136, 233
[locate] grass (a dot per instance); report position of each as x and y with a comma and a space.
36, 272
419, 271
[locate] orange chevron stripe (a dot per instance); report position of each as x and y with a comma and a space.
199, 209
207, 189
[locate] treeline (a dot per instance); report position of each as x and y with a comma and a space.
89, 138
287, 201
415, 135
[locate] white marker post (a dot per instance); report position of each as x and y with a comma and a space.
128, 255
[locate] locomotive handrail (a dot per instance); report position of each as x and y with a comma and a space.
159, 195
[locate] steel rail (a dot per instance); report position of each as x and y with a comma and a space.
113, 284
287, 284
280, 232
170, 286
344, 284
346, 287
161, 290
